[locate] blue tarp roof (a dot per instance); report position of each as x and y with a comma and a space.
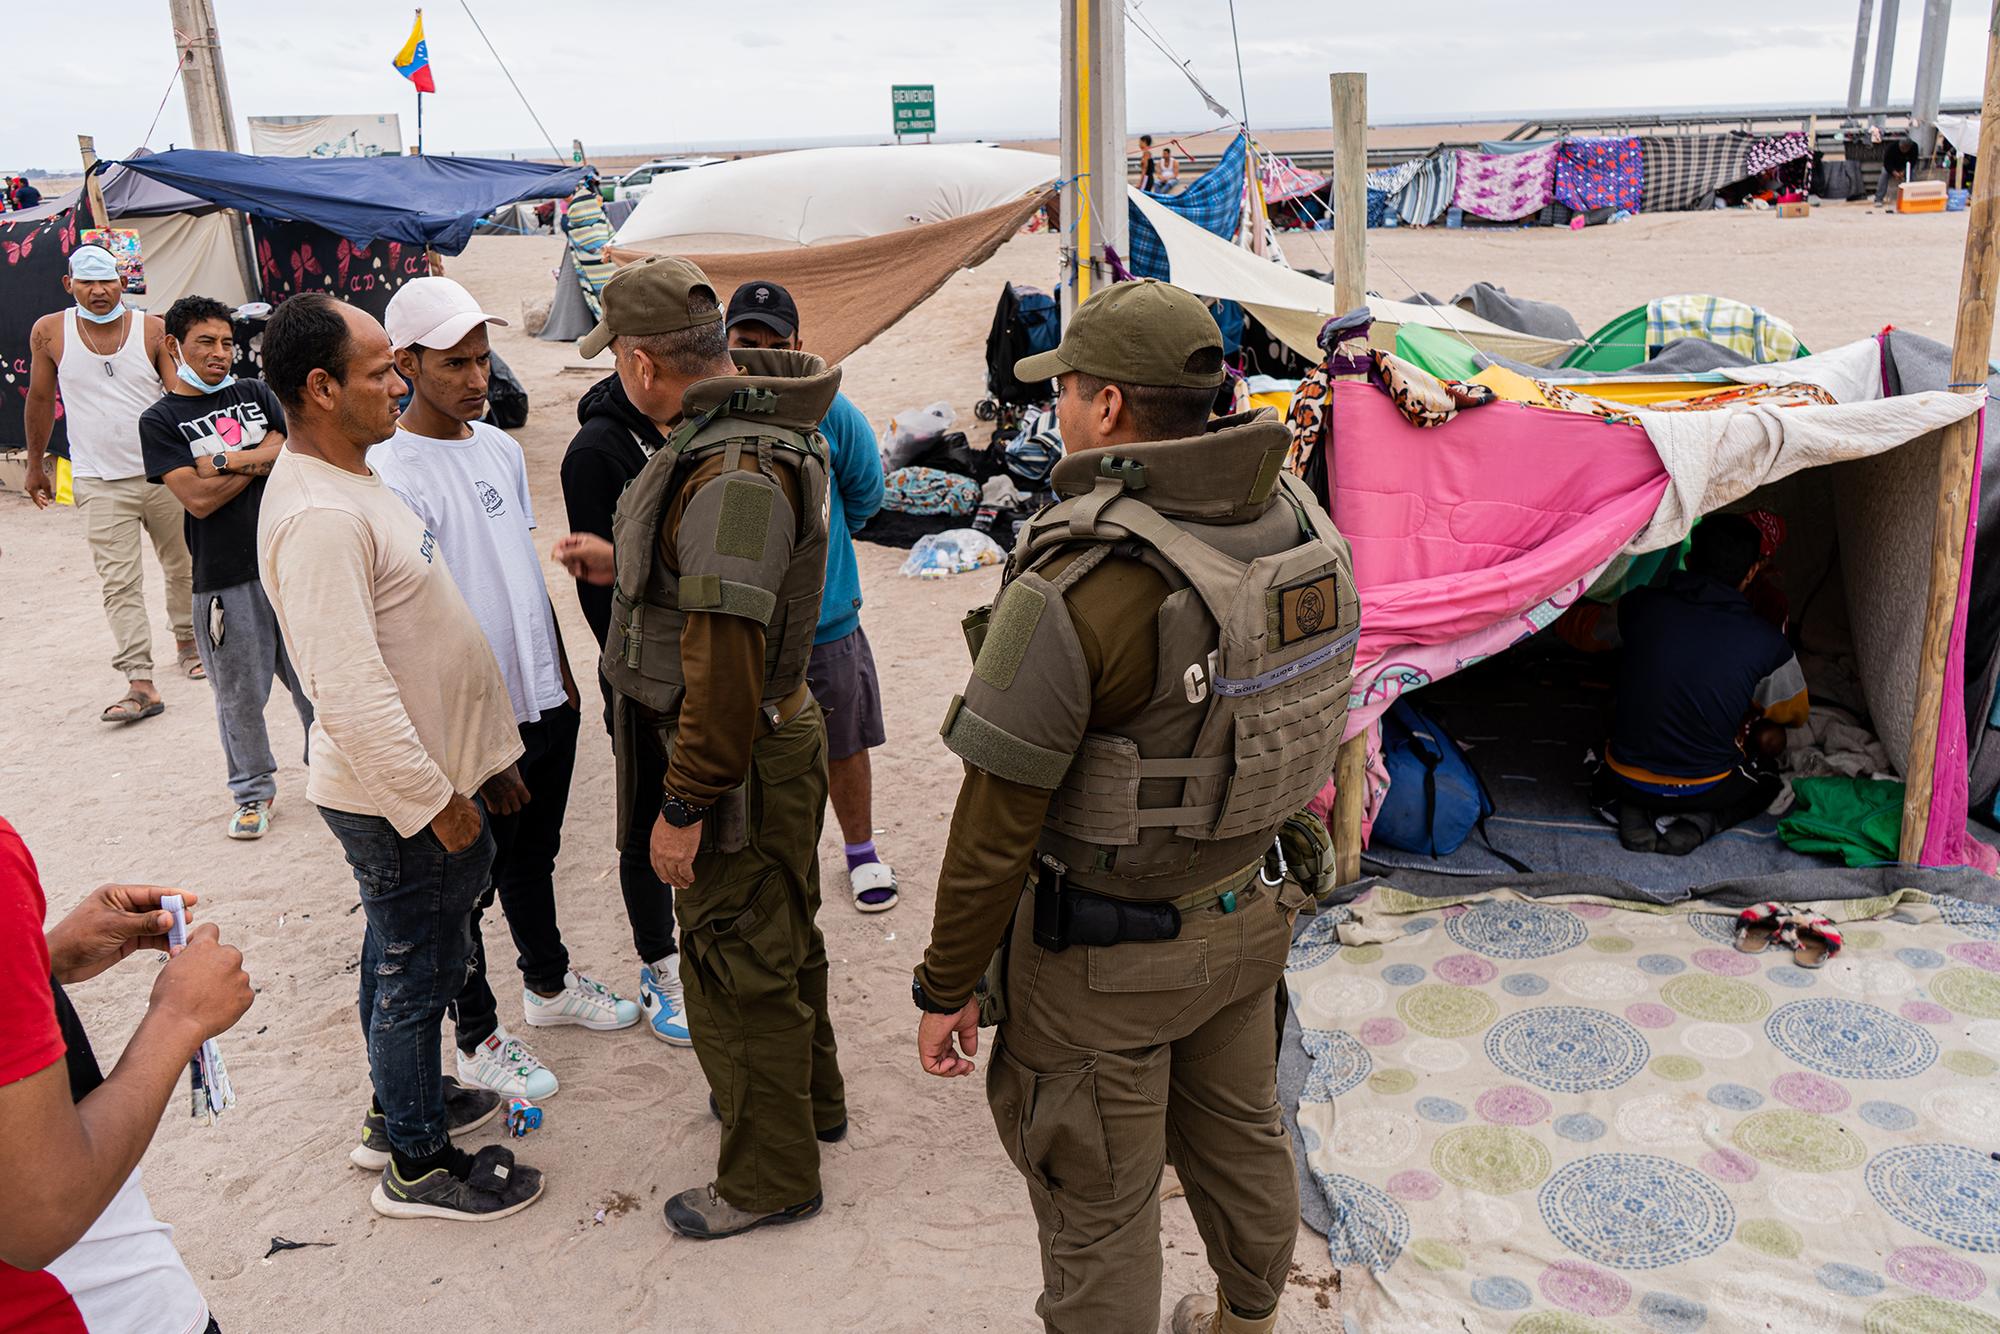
433, 201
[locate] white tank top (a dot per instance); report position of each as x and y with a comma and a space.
102, 399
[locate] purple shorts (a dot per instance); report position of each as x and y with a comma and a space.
841, 676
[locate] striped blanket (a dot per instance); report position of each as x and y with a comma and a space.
1682, 170
1429, 190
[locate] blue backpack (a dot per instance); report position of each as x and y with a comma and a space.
1435, 799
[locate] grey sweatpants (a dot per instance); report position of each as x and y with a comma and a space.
240, 669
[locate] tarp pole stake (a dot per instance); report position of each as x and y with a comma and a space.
1958, 456
1350, 292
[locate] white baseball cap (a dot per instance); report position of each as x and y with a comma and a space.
434, 313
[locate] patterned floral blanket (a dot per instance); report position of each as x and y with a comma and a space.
1566, 1116
1504, 187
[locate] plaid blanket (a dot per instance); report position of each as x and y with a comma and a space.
1683, 170
1214, 202
1741, 328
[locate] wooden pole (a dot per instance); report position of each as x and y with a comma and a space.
92, 188
1350, 289
1970, 353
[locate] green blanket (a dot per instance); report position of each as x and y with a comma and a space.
1859, 820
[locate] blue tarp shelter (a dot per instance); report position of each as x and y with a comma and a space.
422, 201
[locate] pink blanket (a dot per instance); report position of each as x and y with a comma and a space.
1504, 187
1460, 526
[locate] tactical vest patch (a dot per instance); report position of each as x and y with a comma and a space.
1305, 610
1014, 621
745, 520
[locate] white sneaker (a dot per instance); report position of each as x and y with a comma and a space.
504, 1064
582, 1002
665, 1001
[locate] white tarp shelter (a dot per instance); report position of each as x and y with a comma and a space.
326, 136
1293, 305
820, 195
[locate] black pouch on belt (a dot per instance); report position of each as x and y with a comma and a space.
1094, 919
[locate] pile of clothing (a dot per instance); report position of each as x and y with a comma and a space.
940, 481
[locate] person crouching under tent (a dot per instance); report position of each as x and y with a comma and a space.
1706, 684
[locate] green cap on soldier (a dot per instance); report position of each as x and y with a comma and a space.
653, 296
1146, 333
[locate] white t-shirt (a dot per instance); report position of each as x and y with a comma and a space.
473, 494
123, 1276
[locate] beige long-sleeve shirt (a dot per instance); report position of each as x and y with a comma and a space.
409, 705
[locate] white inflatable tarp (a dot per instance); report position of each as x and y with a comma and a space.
819, 195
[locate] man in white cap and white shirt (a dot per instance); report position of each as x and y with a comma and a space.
111, 363
468, 481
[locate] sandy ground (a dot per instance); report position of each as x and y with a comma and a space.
927, 1227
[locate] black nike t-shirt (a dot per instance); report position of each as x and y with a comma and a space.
181, 428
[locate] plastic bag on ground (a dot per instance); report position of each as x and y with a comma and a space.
954, 551
910, 430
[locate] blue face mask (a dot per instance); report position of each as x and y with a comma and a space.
196, 382
117, 312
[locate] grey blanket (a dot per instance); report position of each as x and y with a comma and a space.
1683, 356
1544, 319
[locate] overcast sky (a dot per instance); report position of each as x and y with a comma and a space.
625, 72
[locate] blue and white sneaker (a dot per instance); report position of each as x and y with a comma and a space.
664, 1002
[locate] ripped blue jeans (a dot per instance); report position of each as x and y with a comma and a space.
418, 900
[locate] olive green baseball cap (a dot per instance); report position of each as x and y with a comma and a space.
653, 296
1148, 332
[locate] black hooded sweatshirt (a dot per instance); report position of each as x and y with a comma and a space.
612, 443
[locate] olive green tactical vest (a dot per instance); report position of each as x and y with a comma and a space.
769, 415
1256, 651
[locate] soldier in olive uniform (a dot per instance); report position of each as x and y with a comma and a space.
1160, 688
718, 556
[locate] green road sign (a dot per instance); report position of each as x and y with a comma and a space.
913, 108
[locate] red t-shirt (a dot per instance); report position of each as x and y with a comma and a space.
29, 1038
123, 1276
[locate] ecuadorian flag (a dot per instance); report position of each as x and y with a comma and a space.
413, 62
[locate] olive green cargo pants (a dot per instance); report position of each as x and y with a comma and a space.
755, 968
1115, 1061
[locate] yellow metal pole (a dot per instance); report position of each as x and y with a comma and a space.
1085, 127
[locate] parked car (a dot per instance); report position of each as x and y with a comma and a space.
634, 183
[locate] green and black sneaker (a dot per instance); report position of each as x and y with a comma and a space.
486, 1186
465, 1110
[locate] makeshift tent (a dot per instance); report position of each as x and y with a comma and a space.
919, 213
420, 201
1294, 305
1471, 535
1656, 173
1623, 342
847, 293
821, 195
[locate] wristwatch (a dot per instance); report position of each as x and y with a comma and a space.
925, 1003
220, 462
678, 813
